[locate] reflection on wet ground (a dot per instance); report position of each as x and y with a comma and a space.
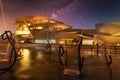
36, 65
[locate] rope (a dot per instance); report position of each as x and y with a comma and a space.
13, 55
63, 57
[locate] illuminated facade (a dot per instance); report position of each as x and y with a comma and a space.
38, 29
110, 34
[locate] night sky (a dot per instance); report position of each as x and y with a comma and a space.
77, 13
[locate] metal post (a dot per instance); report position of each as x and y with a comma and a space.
80, 59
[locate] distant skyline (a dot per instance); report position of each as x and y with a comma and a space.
77, 13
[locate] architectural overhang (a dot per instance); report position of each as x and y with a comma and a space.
107, 39
51, 24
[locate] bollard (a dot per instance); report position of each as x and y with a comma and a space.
80, 59
97, 49
108, 61
91, 49
48, 46
63, 57
107, 58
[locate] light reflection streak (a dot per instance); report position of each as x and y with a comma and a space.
25, 63
39, 56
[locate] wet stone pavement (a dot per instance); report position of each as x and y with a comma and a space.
37, 65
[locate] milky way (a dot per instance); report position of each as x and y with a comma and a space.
77, 13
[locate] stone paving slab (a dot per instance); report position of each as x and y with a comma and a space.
34, 68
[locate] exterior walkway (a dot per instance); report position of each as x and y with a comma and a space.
37, 65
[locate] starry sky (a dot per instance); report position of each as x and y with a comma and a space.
77, 13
